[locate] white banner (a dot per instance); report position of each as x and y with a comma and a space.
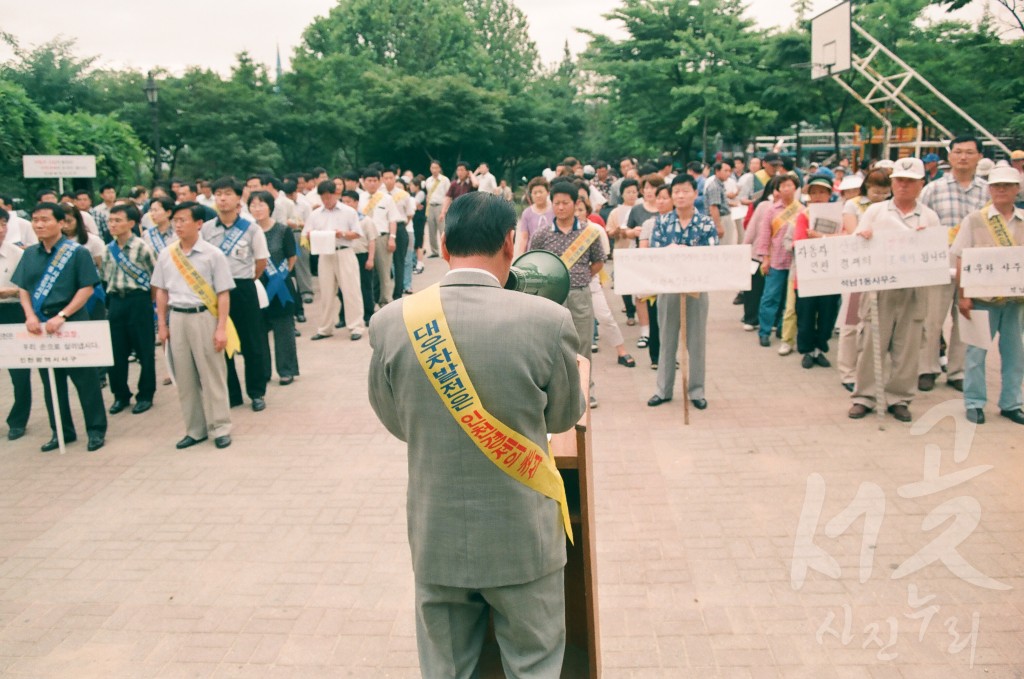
40, 167
80, 344
890, 260
992, 272
652, 271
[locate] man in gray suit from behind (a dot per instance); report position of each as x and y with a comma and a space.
481, 541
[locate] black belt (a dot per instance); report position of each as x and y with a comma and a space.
189, 309
340, 247
127, 293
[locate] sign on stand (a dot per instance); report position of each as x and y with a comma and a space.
58, 167
80, 344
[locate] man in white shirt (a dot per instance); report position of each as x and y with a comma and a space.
11, 313
380, 208
436, 188
484, 180
340, 269
403, 234
19, 229
901, 312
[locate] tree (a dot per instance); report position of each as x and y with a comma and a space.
25, 132
117, 149
1014, 8
51, 74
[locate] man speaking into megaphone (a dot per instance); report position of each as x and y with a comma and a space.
472, 377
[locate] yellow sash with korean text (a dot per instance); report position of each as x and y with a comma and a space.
372, 203
1000, 231
205, 292
433, 189
576, 248
513, 453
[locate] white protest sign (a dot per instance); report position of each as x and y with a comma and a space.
322, 242
992, 272
80, 344
653, 271
892, 259
41, 167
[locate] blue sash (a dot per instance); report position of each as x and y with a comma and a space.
157, 239
233, 235
136, 273
277, 286
99, 296
64, 250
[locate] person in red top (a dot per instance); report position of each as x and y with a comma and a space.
815, 316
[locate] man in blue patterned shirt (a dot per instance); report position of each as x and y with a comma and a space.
685, 227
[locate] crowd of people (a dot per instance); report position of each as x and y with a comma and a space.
205, 269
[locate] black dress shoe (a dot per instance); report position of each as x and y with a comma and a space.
956, 384
222, 441
54, 444
699, 403
15, 433
976, 415
848, 386
318, 336
117, 407
822, 360
925, 382
188, 442
300, 319
258, 404
900, 412
339, 325
807, 361
657, 400
766, 341
285, 381
1013, 415
738, 299
96, 442
141, 407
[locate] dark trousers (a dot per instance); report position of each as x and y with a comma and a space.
398, 260
87, 384
630, 306
815, 319
752, 298
248, 320
654, 339
131, 329
285, 357
367, 281
21, 378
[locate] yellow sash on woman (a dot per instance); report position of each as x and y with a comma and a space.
512, 452
205, 292
783, 219
576, 248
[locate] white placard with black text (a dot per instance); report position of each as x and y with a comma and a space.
79, 344
992, 272
652, 271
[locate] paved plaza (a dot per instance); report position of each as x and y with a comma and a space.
772, 537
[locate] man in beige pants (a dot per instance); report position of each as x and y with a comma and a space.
197, 337
339, 269
900, 312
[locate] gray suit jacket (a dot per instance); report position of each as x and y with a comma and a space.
470, 524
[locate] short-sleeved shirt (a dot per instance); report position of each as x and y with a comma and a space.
159, 241
531, 221
886, 215
80, 272
975, 233
209, 262
138, 252
668, 230
10, 255
384, 211
555, 240
638, 215
243, 255
341, 217
436, 195
714, 194
460, 188
951, 202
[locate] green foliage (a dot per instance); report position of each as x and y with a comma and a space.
25, 132
113, 142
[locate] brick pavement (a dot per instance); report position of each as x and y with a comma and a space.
285, 555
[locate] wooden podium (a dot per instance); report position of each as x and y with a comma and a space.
572, 451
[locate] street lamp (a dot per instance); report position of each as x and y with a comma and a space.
152, 97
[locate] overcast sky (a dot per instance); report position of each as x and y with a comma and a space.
142, 34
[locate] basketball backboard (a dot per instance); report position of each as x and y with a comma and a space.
830, 41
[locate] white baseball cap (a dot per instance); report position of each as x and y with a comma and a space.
985, 166
850, 182
908, 168
884, 164
1004, 175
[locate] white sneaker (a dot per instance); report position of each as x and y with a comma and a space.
748, 327
785, 350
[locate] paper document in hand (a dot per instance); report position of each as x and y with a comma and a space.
321, 242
